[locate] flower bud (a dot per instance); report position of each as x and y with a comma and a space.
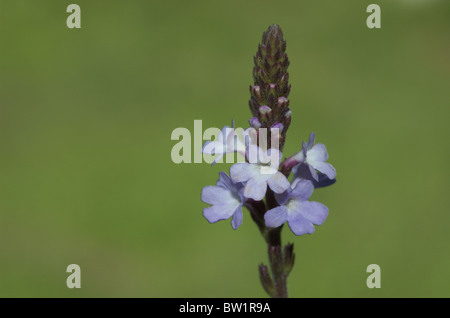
272, 88
278, 126
282, 102
254, 122
265, 113
289, 258
287, 118
266, 281
256, 91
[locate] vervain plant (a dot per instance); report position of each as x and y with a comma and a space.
261, 183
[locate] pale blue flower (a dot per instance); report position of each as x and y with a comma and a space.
260, 172
226, 198
227, 141
313, 157
296, 210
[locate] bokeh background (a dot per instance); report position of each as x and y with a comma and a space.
86, 117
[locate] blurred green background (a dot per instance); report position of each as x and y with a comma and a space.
86, 117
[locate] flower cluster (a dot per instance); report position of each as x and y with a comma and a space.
274, 191
250, 180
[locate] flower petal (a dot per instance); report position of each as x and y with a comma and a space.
283, 197
314, 211
217, 195
219, 212
256, 154
278, 182
272, 156
299, 225
235, 142
303, 189
217, 159
304, 148
236, 221
241, 172
313, 172
276, 216
256, 188
324, 167
317, 153
213, 148
298, 157
225, 181
312, 139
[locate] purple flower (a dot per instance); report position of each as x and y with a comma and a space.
226, 198
296, 210
227, 141
313, 157
260, 172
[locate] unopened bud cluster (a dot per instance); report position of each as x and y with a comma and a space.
268, 103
